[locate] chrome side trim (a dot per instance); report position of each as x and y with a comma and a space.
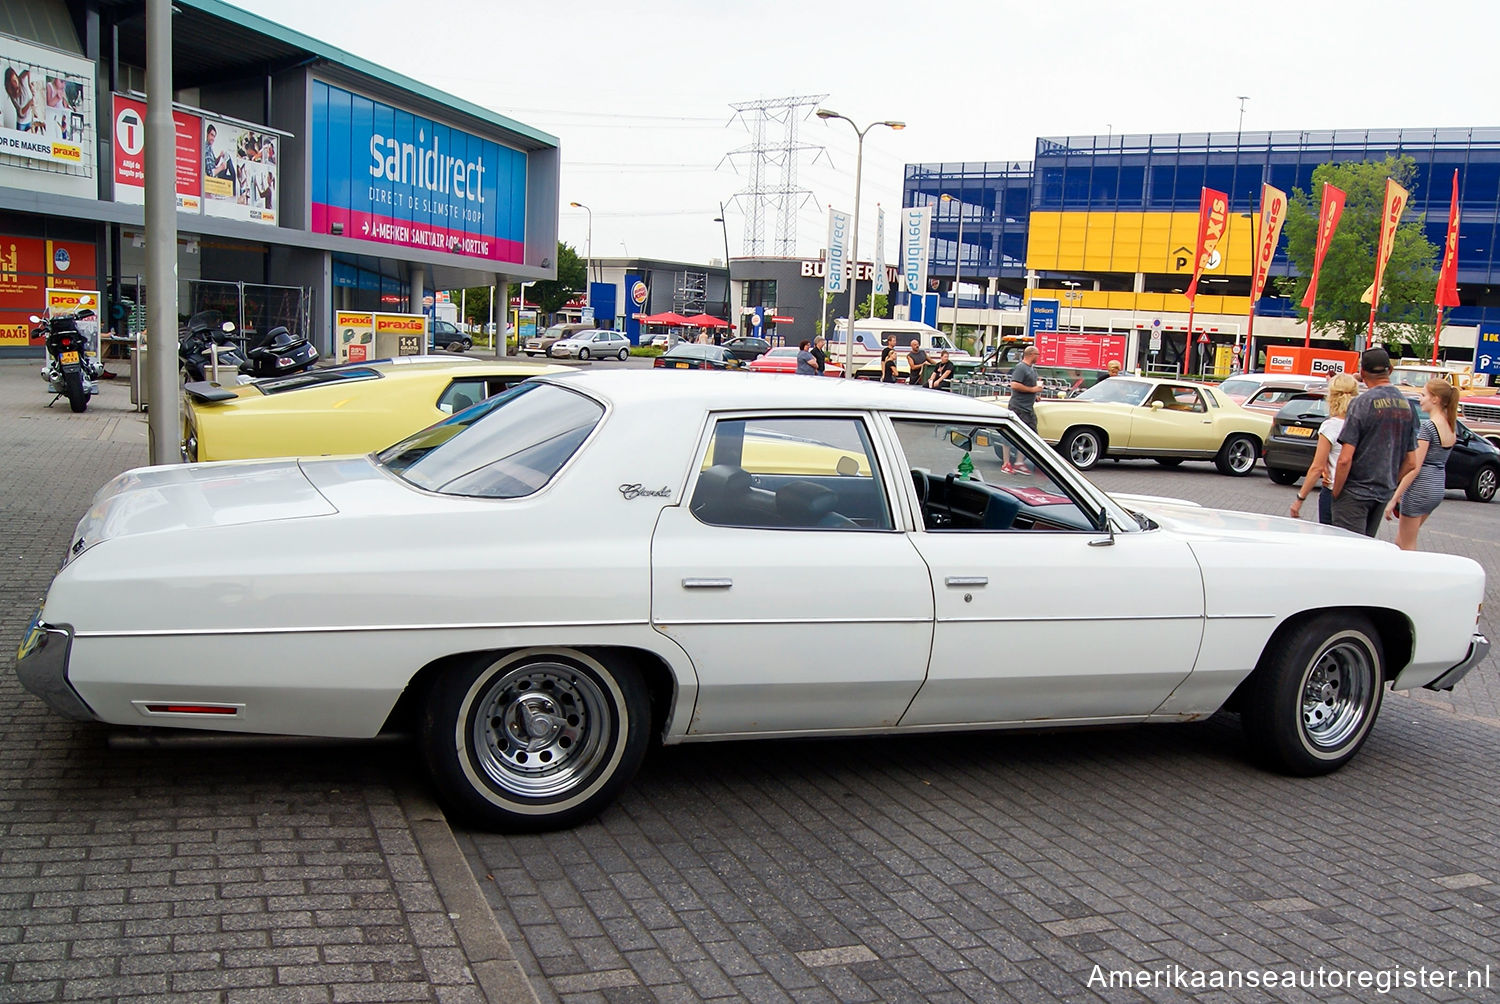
1479, 647
355, 629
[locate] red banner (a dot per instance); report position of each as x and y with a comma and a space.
1272, 215
1390, 219
1447, 286
1328, 222
1213, 218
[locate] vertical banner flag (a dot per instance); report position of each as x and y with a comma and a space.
1390, 219
916, 222
838, 251
1272, 216
1328, 221
1447, 287
1213, 218
882, 285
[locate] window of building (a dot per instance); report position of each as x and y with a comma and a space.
760, 293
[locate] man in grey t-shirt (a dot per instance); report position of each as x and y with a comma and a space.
1025, 385
1379, 445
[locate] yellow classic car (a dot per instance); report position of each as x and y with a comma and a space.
354, 408
1168, 421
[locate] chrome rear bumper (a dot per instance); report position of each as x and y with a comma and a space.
1479, 647
42, 667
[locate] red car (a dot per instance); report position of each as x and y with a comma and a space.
784, 360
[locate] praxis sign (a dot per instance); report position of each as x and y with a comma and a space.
385, 175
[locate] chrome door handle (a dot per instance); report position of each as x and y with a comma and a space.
707, 583
967, 580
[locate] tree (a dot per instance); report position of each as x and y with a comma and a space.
475, 303
550, 294
1349, 267
882, 306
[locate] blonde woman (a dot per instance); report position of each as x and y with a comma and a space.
1421, 489
1341, 390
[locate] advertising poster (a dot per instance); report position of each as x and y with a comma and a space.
400, 335
356, 335
385, 175
241, 180
66, 301
47, 117
1077, 350
29, 267
130, 155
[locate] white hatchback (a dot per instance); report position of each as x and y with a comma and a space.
597, 344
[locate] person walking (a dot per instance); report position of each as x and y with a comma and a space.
1421, 489
807, 363
1025, 385
820, 354
1341, 390
1379, 441
888, 360
916, 360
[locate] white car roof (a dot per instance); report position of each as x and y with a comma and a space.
726, 391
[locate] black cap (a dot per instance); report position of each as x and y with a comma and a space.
1376, 360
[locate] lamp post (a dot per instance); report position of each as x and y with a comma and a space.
859, 158
958, 258
588, 247
728, 276
520, 306
1072, 296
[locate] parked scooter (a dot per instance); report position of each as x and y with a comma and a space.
205, 348
279, 351
72, 369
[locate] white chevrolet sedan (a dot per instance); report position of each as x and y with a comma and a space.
778, 557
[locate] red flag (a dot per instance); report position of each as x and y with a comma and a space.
1213, 217
1328, 222
1447, 286
1390, 220
1272, 214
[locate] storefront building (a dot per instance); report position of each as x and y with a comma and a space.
308, 181
781, 299
1105, 226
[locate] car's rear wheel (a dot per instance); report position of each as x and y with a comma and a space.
1481, 487
1237, 456
1315, 695
624, 354
1169, 462
534, 740
1282, 476
1083, 448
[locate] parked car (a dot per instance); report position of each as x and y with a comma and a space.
1240, 387
1270, 396
1410, 378
783, 359
1473, 465
747, 347
541, 345
592, 344
1168, 421
409, 589
692, 356
1481, 412
447, 335
354, 408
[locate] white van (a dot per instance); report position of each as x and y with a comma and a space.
870, 334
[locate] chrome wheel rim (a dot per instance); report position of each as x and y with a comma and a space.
1487, 484
540, 730
1241, 456
1336, 694
1083, 450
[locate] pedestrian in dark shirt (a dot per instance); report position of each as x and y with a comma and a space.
888, 360
915, 360
1379, 446
942, 373
806, 362
820, 355
1025, 385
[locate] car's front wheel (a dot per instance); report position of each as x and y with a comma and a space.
1315, 695
1237, 456
1481, 487
583, 353
1083, 448
1282, 476
624, 354
536, 739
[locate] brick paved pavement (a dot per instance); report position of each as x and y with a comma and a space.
1007, 866
298, 873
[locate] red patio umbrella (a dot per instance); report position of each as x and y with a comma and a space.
706, 321
669, 318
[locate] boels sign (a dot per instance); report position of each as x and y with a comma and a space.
1311, 361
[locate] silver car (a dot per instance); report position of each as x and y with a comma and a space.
592, 345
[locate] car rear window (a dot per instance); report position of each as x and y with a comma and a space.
506, 447
315, 378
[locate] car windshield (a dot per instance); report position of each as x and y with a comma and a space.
1117, 390
1412, 378
506, 447
1239, 388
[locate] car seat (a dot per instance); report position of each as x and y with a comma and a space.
805, 504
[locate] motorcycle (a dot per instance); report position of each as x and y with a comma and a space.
72, 368
279, 351
205, 349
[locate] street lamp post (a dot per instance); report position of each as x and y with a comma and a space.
728, 276
588, 247
1072, 296
859, 157
958, 258
520, 306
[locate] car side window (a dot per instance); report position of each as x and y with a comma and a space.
461, 394
791, 474
981, 478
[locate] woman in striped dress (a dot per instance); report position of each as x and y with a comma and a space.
1422, 489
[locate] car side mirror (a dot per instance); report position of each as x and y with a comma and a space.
1157, 406
961, 441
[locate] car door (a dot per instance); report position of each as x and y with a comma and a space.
1173, 418
785, 580
1038, 616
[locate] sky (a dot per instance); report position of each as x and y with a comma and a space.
640, 94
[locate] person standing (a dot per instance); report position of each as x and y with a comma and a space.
1421, 489
1379, 446
807, 363
916, 359
820, 355
888, 360
1341, 390
1112, 369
